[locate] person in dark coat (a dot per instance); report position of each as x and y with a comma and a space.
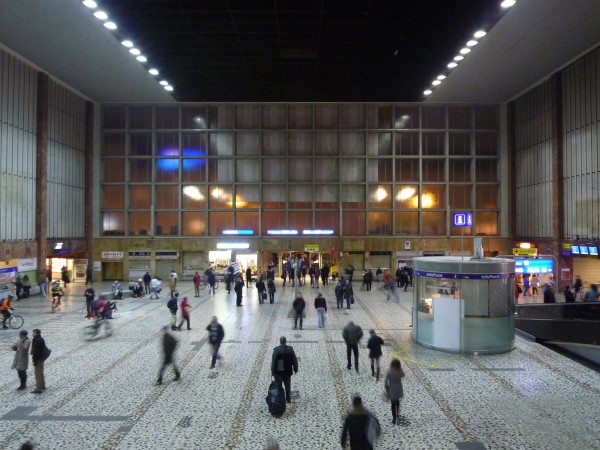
283, 364
356, 425
173, 307
89, 275
352, 335
38, 355
169, 344
321, 307
549, 293
248, 277
271, 289
298, 305
147, 279
394, 388
216, 333
89, 294
348, 293
374, 346
569, 295
238, 288
260, 286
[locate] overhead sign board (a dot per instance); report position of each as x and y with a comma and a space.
313, 248
462, 219
525, 251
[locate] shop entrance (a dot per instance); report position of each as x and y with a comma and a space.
56, 265
112, 270
248, 260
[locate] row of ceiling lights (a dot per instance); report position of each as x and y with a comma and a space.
101, 15
465, 50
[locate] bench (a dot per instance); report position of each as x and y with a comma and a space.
109, 295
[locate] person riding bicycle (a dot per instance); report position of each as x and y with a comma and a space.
5, 308
102, 308
57, 293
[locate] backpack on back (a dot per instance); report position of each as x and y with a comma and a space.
276, 399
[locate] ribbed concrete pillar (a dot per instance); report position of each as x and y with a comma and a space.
89, 179
41, 171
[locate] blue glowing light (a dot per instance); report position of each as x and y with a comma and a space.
167, 165
280, 232
317, 231
194, 152
238, 232
167, 152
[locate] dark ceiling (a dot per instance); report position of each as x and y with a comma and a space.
300, 50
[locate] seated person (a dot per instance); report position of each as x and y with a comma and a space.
117, 290
26, 286
137, 289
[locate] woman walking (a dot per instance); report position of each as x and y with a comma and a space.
21, 360
394, 389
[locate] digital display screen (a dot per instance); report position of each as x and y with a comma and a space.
584, 249
575, 249
534, 265
593, 251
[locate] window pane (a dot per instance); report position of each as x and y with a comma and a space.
380, 223
220, 116
140, 144
380, 170
220, 221
140, 197
167, 223
486, 170
326, 170
247, 221
113, 197
247, 144
353, 197
459, 117
300, 116
193, 197
406, 117
140, 170
380, 197
167, 117
459, 170
487, 196
167, 144
140, 117
139, 223
433, 144
193, 144
352, 116
326, 144
167, 197
434, 223
114, 144
326, 116
167, 170
273, 116
220, 170
194, 223
433, 117
274, 170
460, 197
486, 144
113, 116
433, 170
247, 116
221, 144
113, 170
300, 169
274, 144
193, 170
273, 197
352, 144
353, 170
407, 169
326, 196
327, 220
407, 196
194, 117
246, 197
247, 170
300, 143
354, 223
486, 223
379, 144
459, 144
486, 117
407, 223
300, 196
300, 220
434, 196
273, 221
407, 144
221, 197
379, 116
113, 223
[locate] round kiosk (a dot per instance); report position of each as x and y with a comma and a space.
464, 305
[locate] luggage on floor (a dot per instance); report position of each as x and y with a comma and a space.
264, 296
276, 398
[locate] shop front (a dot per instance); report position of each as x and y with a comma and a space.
112, 266
193, 262
138, 264
166, 261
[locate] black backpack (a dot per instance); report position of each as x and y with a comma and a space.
276, 399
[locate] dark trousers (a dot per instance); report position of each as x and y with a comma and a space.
187, 320
88, 305
23, 377
215, 354
166, 361
395, 404
350, 348
238, 298
298, 316
287, 382
271, 297
147, 287
369, 285
340, 301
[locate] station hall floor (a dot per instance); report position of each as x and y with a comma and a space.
101, 394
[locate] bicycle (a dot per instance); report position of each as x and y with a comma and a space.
14, 321
204, 283
92, 331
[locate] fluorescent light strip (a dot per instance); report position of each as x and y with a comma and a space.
282, 232
317, 231
232, 245
238, 232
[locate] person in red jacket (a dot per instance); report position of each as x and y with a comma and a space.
185, 313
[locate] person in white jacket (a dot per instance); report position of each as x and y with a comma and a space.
154, 288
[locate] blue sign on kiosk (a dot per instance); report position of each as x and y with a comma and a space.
462, 219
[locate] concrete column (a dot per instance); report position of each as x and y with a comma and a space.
89, 180
512, 166
41, 158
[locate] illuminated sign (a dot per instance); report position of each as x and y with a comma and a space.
238, 232
317, 231
311, 248
575, 249
525, 251
584, 250
462, 219
58, 246
594, 251
534, 266
282, 232
232, 245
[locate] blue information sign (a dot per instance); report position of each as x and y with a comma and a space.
462, 219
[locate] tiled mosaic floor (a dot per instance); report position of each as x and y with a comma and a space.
100, 395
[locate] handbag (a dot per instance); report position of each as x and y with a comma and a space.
45, 353
352, 299
384, 397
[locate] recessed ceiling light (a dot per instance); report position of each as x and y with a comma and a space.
110, 25
441, 77
153, 72
464, 51
472, 43
479, 34
427, 92
436, 82
90, 3
459, 58
164, 83
452, 65
127, 44
508, 3
169, 88
141, 58
134, 51
101, 15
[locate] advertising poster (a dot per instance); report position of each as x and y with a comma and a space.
7, 275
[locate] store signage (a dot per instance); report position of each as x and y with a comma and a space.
112, 255
166, 254
97, 266
232, 245
462, 219
565, 274
406, 245
311, 248
317, 232
534, 266
7, 275
27, 264
238, 232
139, 255
525, 251
464, 276
282, 232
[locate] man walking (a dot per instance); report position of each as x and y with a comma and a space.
298, 305
321, 306
283, 364
89, 298
169, 344
89, 275
216, 333
374, 346
185, 313
39, 354
352, 334
172, 305
238, 288
147, 279
348, 293
248, 277
358, 425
